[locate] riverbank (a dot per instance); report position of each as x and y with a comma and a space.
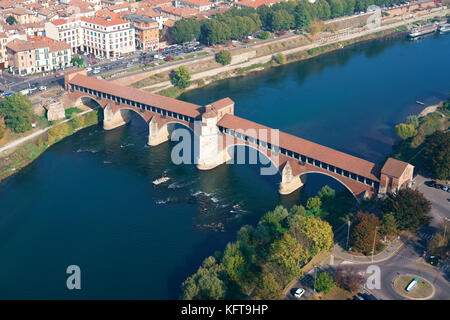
260, 57
20, 153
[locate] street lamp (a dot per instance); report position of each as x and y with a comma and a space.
445, 226
373, 247
348, 232
315, 273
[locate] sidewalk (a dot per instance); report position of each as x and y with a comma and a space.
391, 250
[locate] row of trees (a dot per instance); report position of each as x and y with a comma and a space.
264, 259
238, 23
405, 210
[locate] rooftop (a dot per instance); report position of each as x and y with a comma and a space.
304, 147
170, 104
394, 168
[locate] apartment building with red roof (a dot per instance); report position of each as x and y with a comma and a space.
37, 54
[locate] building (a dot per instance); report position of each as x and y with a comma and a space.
395, 175
21, 15
108, 37
146, 31
200, 5
4, 39
69, 31
38, 54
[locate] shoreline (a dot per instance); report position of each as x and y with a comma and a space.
301, 55
31, 147
263, 63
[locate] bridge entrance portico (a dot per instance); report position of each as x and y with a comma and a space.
218, 130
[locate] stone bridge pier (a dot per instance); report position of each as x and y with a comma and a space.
289, 183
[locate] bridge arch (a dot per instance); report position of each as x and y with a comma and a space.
331, 176
231, 147
88, 101
175, 122
124, 110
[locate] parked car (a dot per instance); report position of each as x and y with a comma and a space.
88, 69
43, 88
299, 293
97, 68
96, 71
168, 58
445, 188
58, 75
93, 63
120, 57
113, 59
430, 183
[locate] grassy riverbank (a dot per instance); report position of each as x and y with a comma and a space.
23, 155
408, 149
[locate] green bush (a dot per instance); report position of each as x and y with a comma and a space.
264, 35
181, 77
224, 57
324, 282
279, 58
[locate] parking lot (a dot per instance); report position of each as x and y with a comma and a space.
440, 199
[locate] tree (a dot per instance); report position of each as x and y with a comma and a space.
279, 58
336, 7
76, 60
324, 282
405, 131
264, 35
315, 234
185, 30
414, 120
214, 31
389, 225
11, 20
317, 26
290, 254
409, 207
268, 288
234, 261
2, 128
438, 244
348, 278
366, 229
180, 77
313, 206
16, 111
207, 283
282, 19
326, 193
436, 155
302, 19
223, 57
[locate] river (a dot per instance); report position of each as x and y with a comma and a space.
89, 200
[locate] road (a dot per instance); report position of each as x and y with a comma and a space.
406, 261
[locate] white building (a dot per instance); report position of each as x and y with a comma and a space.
108, 37
69, 31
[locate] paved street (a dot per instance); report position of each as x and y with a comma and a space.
406, 261
440, 200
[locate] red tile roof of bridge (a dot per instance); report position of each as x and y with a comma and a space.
169, 104
307, 148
